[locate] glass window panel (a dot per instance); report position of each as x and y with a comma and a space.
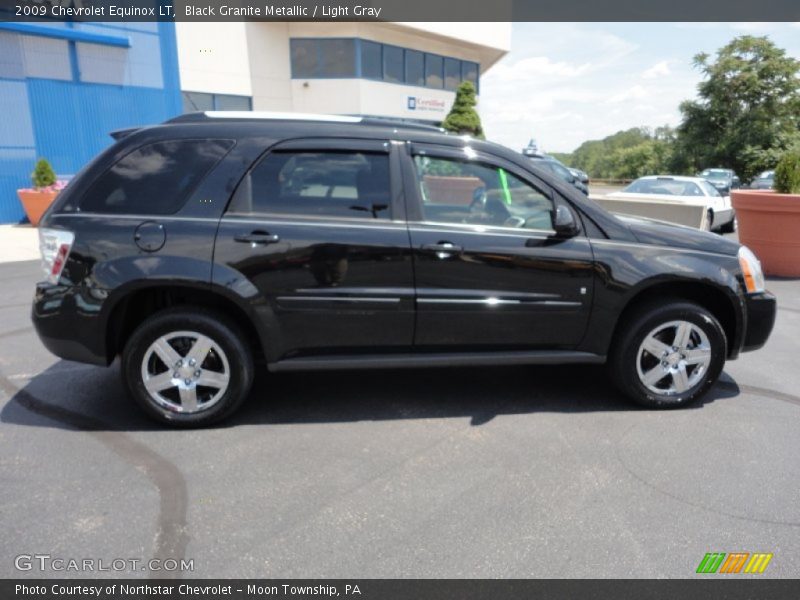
304, 58
469, 72
452, 73
197, 101
337, 58
228, 102
393, 64
371, 63
415, 67
433, 70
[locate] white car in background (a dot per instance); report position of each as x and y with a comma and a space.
685, 190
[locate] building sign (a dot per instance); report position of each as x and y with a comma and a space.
420, 104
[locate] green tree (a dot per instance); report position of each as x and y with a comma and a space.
463, 118
749, 103
43, 175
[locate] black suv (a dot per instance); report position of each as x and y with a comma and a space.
201, 247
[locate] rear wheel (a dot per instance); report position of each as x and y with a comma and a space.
668, 355
187, 367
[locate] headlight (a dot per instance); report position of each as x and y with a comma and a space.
751, 269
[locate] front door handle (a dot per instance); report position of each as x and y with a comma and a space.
443, 249
261, 238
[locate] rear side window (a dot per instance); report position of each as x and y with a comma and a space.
320, 184
155, 179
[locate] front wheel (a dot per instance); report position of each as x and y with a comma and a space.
668, 355
187, 367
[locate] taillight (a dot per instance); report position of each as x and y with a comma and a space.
54, 244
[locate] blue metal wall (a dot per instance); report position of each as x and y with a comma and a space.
64, 87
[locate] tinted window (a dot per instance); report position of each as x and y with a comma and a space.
433, 70
452, 73
371, 60
455, 191
337, 58
415, 67
333, 184
469, 72
304, 58
155, 179
228, 102
194, 101
393, 64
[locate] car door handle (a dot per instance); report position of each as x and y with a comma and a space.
257, 237
443, 249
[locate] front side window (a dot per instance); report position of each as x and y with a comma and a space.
155, 179
318, 184
462, 191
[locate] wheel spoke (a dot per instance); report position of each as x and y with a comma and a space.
213, 379
168, 355
654, 375
160, 382
188, 398
655, 347
683, 334
200, 349
680, 379
698, 356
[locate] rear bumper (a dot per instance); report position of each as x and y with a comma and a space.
67, 322
761, 309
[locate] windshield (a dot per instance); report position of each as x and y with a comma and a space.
715, 174
710, 189
767, 175
665, 187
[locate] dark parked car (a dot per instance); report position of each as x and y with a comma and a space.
724, 180
765, 181
559, 169
580, 175
201, 248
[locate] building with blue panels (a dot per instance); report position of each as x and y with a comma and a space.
65, 86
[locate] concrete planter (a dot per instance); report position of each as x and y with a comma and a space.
452, 190
769, 224
35, 202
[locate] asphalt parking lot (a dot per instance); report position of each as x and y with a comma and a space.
495, 472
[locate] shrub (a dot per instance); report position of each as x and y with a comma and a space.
463, 117
787, 173
43, 175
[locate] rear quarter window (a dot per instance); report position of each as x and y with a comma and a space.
154, 179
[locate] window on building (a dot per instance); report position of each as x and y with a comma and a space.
371, 60
469, 72
337, 58
304, 57
318, 184
315, 58
393, 64
201, 101
155, 179
452, 73
415, 67
433, 70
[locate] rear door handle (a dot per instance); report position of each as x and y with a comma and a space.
257, 238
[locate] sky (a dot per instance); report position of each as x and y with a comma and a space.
565, 83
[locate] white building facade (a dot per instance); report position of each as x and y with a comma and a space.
395, 70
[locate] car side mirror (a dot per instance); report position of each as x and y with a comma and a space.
564, 222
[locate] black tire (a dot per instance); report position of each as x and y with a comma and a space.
730, 226
627, 358
230, 355
710, 219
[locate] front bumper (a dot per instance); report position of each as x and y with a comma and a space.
761, 309
67, 320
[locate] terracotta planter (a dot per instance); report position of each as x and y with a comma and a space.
451, 190
769, 224
35, 202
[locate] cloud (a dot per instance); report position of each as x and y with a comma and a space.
657, 70
635, 92
537, 65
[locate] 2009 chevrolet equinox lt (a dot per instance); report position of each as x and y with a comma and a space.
218, 241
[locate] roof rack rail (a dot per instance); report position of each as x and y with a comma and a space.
196, 117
